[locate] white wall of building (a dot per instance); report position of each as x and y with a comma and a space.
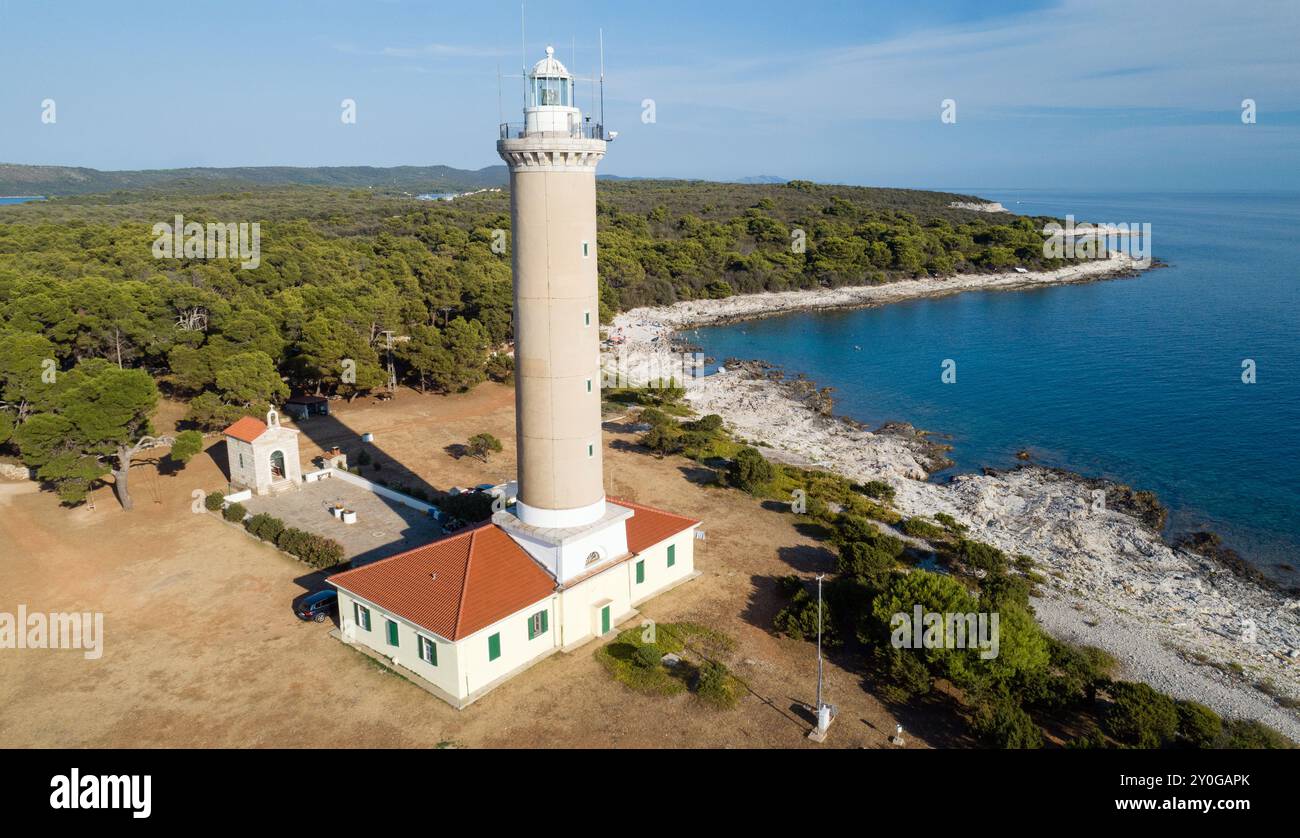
243, 465
445, 676
617, 587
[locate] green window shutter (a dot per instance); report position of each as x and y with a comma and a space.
531, 633
392, 633
494, 646
672, 554
433, 653
356, 613
545, 614
640, 571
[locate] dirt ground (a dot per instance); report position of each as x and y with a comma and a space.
202, 648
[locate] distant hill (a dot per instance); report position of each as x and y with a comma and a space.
72, 180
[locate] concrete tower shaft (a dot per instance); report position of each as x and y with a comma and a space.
552, 160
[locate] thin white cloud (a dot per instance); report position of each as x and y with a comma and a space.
1099, 53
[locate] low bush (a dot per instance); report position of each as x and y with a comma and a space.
1198, 725
1004, 724
717, 687
903, 676
921, 528
214, 501
265, 527
1140, 715
749, 470
878, 489
980, 556
234, 513
1245, 733
315, 550
798, 620
949, 523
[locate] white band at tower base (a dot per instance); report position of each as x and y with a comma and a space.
556, 519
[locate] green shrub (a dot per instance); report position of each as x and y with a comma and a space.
1004, 724
363, 458
870, 562
315, 550
921, 528
878, 489
903, 675
717, 687
654, 417
1198, 724
664, 439
1245, 733
214, 501
750, 471
647, 656
1000, 589
264, 526
234, 513
798, 620
501, 367
710, 424
482, 445
980, 556
1141, 716
949, 523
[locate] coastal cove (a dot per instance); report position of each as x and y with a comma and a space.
1137, 382
1174, 619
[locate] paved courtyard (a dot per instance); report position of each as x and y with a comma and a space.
383, 527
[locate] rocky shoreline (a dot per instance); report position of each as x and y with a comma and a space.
1176, 617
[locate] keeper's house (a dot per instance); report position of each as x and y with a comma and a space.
469, 611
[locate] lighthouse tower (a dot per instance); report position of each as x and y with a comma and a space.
552, 157
563, 564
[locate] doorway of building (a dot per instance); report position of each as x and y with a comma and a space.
277, 465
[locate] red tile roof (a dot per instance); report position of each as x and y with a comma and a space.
465, 582
649, 526
246, 429
456, 585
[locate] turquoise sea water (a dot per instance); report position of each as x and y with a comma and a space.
1137, 380
19, 199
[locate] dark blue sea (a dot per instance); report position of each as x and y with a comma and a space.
1136, 380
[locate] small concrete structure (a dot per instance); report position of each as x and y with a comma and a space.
263, 456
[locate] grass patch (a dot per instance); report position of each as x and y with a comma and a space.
634, 659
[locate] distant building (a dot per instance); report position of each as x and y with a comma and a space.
302, 407
263, 456
562, 564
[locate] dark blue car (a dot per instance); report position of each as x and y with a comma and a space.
317, 606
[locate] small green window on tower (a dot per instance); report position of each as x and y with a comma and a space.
591, 450
588, 385
586, 318
586, 249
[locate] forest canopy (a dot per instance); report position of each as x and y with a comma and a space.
349, 280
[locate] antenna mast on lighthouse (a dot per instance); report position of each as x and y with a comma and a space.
602, 84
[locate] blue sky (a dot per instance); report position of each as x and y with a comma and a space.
1104, 94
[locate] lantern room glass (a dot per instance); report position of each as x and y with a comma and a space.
552, 91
